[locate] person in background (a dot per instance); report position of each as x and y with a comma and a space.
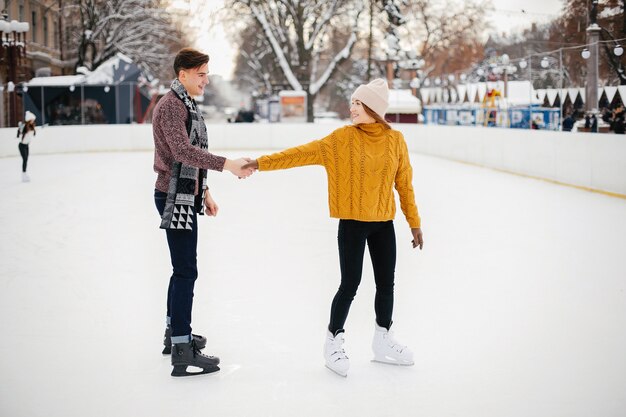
568, 123
181, 161
618, 121
26, 133
594, 123
364, 162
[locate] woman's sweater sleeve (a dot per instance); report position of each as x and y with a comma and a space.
404, 185
307, 154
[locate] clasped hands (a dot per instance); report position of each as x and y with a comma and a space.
242, 167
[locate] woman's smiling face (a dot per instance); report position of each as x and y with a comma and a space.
358, 113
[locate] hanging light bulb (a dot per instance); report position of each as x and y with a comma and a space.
107, 88
618, 50
545, 63
585, 53
523, 64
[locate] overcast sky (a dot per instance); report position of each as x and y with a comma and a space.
508, 15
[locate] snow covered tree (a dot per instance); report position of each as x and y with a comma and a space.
439, 31
140, 29
570, 27
256, 68
305, 38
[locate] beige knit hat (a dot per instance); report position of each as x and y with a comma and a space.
375, 95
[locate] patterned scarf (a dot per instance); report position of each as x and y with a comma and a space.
181, 200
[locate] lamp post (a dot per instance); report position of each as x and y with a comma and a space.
591, 54
593, 36
13, 49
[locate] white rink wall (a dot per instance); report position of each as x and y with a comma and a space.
596, 161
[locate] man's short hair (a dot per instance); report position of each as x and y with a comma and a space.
188, 58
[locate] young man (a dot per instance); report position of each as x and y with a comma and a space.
181, 161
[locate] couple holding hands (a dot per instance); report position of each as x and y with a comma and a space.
363, 161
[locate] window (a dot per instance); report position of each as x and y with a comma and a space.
56, 34
34, 27
45, 30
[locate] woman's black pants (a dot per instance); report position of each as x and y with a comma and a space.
381, 241
24, 152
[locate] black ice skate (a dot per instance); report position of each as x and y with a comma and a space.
167, 341
188, 354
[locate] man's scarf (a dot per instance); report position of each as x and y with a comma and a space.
181, 200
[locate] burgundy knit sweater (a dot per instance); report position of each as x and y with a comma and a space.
171, 143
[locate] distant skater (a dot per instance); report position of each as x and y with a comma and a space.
181, 161
26, 134
364, 162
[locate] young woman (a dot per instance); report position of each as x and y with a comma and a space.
26, 134
363, 163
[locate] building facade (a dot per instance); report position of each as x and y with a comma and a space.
36, 53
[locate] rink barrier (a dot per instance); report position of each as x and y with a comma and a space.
594, 162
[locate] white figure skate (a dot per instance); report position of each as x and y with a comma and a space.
387, 350
335, 356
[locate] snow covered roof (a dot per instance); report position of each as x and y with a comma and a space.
115, 70
61, 80
403, 101
292, 93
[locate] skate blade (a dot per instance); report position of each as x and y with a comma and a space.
340, 374
181, 370
392, 362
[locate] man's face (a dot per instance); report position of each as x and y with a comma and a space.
194, 79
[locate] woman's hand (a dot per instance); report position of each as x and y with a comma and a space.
418, 240
253, 164
239, 167
210, 207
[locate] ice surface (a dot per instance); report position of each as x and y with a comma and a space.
516, 306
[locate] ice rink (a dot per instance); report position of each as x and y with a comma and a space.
516, 307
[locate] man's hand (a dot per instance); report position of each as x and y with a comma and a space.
418, 240
237, 167
254, 164
210, 207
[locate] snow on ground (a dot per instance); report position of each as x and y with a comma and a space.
516, 306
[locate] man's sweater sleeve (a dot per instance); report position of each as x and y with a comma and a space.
173, 126
404, 185
307, 154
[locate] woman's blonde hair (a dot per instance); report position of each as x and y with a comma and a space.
375, 116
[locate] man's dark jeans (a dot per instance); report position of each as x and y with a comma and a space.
182, 244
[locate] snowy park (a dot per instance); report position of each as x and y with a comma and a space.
515, 307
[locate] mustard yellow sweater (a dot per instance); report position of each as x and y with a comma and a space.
363, 162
